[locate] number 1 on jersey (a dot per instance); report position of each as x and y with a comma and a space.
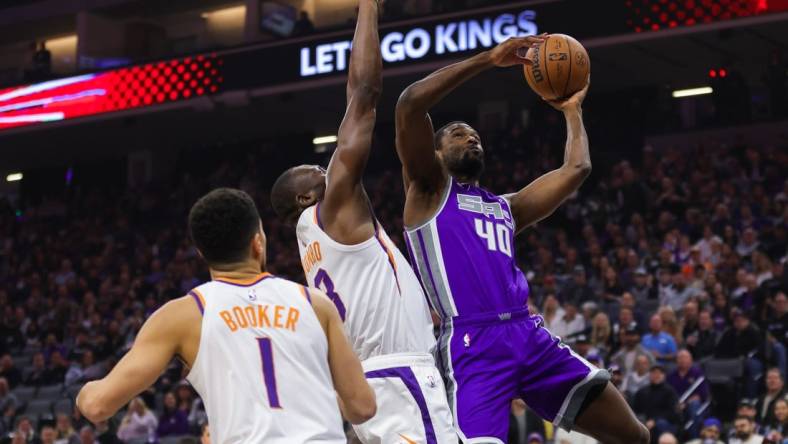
269, 377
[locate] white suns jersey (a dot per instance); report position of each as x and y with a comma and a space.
261, 347
373, 287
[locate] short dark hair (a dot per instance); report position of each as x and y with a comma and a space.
283, 195
746, 418
442, 130
222, 223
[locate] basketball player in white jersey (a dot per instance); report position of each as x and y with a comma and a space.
268, 356
346, 253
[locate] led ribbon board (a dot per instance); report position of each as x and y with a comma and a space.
109, 91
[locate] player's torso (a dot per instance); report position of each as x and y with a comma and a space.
372, 285
464, 255
261, 346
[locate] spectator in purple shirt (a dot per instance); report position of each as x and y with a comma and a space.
173, 421
685, 375
692, 393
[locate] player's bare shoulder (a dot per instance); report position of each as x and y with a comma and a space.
180, 321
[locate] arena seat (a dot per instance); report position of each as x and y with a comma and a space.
50, 392
723, 376
63, 406
24, 394
39, 407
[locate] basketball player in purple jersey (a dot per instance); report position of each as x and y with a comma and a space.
461, 240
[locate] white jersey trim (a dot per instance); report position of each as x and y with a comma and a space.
446, 193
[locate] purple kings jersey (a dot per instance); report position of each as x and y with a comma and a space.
464, 255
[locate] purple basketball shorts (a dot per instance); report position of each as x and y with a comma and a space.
489, 360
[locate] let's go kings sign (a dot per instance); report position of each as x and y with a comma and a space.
417, 43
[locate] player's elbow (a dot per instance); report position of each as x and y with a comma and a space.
584, 169
367, 93
580, 170
409, 101
362, 409
91, 405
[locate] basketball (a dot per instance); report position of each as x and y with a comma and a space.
560, 67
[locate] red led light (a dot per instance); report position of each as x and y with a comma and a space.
723, 72
127, 88
712, 73
642, 15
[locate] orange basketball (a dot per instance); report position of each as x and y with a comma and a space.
561, 66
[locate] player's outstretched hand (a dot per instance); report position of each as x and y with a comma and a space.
512, 51
572, 102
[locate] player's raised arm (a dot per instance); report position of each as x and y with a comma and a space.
356, 397
415, 144
344, 192
544, 195
158, 341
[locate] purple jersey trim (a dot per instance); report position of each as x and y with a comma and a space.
443, 312
415, 268
317, 216
198, 301
409, 379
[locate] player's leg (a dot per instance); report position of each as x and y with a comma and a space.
564, 388
411, 401
480, 381
436, 401
609, 419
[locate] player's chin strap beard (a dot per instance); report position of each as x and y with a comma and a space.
466, 172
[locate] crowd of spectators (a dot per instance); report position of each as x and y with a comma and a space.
667, 268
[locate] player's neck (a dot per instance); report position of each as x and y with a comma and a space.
466, 180
239, 271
